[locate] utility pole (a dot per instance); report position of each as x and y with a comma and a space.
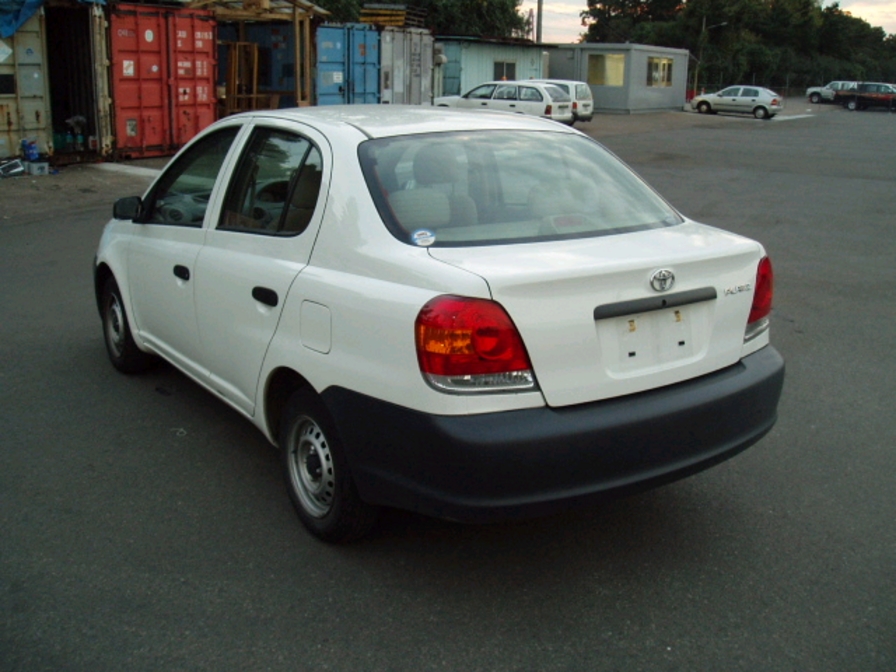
538, 22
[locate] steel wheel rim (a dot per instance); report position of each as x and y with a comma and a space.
115, 325
311, 469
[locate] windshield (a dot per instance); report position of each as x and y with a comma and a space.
501, 187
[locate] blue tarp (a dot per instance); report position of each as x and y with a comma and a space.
14, 13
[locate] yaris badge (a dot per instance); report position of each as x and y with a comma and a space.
662, 280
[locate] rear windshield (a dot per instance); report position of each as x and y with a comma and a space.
502, 187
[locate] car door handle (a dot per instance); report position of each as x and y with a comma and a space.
483, 103
512, 104
265, 296
182, 272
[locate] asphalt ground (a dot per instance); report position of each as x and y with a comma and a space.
144, 524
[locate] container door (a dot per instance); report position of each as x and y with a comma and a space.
192, 60
24, 96
103, 100
139, 81
365, 64
331, 65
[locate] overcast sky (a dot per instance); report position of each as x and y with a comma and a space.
561, 22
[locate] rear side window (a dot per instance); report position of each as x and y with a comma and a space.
557, 94
502, 187
275, 187
583, 92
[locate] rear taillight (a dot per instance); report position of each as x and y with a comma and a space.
547, 110
762, 300
470, 346
575, 106
774, 102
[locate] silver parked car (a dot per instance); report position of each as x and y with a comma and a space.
760, 102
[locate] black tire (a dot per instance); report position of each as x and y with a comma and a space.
761, 113
123, 351
317, 475
704, 107
815, 98
852, 105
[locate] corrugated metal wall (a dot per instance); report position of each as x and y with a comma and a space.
406, 66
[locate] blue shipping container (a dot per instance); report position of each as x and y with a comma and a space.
348, 64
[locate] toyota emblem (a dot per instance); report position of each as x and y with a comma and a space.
662, 280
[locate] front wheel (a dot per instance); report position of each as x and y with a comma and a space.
123, 351
852, 105
815, 98
703, 108
317, 475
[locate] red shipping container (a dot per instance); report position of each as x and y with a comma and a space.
163, 77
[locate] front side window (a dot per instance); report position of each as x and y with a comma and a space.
181, 195
502, 187
275, 187
481, 92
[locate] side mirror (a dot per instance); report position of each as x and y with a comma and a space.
128, 208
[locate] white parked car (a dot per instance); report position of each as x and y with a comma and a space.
524, 97
826, 93
472, 316
761, 103
580, 93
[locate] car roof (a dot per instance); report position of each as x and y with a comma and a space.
379, 121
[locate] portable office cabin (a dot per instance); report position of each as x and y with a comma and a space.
469, 61
625, 78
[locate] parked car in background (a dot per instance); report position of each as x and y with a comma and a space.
867, 94
523, 97
472, 316
580, 92
825, 94
760, 102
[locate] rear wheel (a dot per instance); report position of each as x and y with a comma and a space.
317, 475
760, 113
123, 351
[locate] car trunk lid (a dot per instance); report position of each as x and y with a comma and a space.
594, 324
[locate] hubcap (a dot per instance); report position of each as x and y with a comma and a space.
115, 326
311, 469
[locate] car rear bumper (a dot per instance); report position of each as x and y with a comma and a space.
481, 468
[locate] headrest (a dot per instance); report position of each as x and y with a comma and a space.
436, 164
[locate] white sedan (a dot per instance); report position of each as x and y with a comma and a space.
476, 317
540, 99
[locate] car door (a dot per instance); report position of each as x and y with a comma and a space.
727, 99
263, 239
478, 98
532, 100
165, 244
748, 99
506, 98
